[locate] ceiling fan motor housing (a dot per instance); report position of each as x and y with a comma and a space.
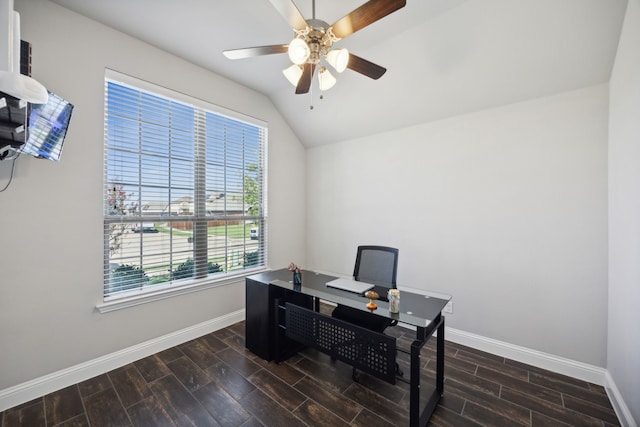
319, 38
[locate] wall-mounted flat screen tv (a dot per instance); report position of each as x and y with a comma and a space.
47, 128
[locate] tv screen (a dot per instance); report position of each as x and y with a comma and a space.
47, 128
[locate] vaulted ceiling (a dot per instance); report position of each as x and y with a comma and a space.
444, 57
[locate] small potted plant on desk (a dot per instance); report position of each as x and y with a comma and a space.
297, 274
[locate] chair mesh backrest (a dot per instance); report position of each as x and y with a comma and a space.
377, 265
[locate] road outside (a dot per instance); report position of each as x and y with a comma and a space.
158, 247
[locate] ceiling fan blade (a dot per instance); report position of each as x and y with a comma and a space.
305, 80
290, 13
250, 52
366, 14
365, 67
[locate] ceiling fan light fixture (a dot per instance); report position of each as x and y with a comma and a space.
299, 51
326, 79
338, 59
293, 74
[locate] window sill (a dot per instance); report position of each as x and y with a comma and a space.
170, 292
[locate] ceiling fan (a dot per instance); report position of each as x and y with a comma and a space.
314, 39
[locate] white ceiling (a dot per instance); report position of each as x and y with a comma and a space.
444, 57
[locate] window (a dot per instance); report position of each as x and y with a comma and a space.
184, 196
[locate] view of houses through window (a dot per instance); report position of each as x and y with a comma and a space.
184, 191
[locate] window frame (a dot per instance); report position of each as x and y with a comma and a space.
173, 287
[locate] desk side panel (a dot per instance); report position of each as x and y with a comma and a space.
259, 317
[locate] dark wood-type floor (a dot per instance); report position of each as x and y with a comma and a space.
214, 381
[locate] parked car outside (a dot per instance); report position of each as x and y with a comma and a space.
145, 227
254, 233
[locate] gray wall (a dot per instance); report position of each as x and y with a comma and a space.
623, 355
505, 209
51, 242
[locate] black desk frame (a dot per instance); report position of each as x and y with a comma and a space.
422, 336
417, 417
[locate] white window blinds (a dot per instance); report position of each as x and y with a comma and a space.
184, 191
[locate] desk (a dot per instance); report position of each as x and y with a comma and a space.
269, 294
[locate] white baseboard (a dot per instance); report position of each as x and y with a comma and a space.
561, 365
619, 405
30, 390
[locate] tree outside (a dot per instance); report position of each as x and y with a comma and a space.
117, 205
251, 192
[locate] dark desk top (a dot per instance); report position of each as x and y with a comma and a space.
415, 309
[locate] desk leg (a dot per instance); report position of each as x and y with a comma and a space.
416, 417
440, 359
414, 391
277, 352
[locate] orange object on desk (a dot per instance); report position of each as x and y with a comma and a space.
372, 295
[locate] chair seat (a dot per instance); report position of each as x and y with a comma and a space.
361, 318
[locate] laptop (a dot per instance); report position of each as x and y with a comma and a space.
350, 285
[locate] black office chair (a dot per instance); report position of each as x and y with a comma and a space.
377, 265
